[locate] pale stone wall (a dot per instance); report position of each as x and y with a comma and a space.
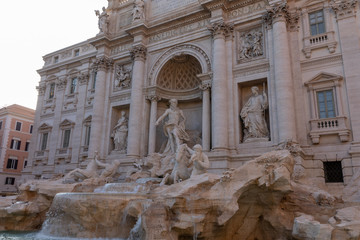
256, 43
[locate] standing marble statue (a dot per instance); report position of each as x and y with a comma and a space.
174, 127
138, 11
120, 132
103, 20
252, 114
199, 160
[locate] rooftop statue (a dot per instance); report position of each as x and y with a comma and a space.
103, 20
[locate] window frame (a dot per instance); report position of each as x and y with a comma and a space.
12, 163
73, 85
10, 181
43, 144
51, 90
332, 90
65, 139
317, 23
1, 123
15, 144
16, 126
27, 146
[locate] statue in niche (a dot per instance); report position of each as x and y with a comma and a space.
138, 11
251, 45
122, 77
253, 116
120, 132
103, 20
174, 127
199, 160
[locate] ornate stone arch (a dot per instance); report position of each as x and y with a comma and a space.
184, 49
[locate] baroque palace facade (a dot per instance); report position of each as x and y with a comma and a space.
247, 75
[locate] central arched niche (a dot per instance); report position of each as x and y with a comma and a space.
179, 73
178, 78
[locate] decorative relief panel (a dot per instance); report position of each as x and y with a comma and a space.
250, 45
122, 77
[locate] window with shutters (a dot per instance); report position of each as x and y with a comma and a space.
12, 163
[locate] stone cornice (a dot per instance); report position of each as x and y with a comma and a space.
344, 8
214, 4
138, 53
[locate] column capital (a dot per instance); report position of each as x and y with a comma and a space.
83, 78
153, 98
221, 29
343, 8
41, 89
138, 53
277, 12
103, 63
61, 83
205, 85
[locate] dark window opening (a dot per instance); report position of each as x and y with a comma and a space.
333, 172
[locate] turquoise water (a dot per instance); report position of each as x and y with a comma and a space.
37, 236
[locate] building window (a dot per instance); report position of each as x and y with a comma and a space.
15, 144
317, 23
25, 163
0, 125
94, 80
12, 163
31, 128
76, 52
18, 126
44, 138
326, 104
333, 172
52, 91
56, 59
66, 138
73, 85
9, 181
27, 144
87, 135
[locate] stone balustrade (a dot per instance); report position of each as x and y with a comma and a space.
328, 126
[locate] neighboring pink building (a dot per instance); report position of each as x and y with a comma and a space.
16, 126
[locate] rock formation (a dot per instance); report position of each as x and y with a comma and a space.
259, 200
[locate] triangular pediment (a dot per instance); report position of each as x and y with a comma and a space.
66, 122
45, 126
88, 119
311, 3
323, 77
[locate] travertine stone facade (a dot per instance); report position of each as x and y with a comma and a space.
206, 54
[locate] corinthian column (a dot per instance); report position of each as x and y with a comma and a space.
205, 87
276, 18
219, 87
102, 66
153, 115
138, 54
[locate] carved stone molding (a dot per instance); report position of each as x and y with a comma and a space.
61, 84
278, 12
103, 63
221, 29
153, 98
83, 79
293, 20
41, 89
138, 53
205, 85
344, 8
